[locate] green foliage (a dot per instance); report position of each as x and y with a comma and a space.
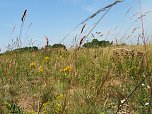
13, 108
96, 43
84, 81
58, 46
34, 48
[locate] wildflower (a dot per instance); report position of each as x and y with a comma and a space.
32, 112
46, 59
143, 84
33, 65
60, 96
122, 101
40, 69
102, 113
67, 69
46, 104
58, 107
146, 104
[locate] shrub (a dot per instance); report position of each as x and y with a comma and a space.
96, 43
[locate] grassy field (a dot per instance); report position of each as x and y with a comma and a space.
85, 81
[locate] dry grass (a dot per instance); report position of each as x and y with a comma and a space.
93, 84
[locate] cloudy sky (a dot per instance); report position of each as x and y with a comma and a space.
55, 18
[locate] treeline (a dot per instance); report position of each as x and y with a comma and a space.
96, 43
35, 48
93, 44
57, 46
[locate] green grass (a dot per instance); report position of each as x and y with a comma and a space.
93, 84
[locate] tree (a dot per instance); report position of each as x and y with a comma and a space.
59, 46
96, 43
34, 48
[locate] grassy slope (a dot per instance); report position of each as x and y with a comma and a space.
92, 84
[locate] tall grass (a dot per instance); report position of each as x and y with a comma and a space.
84, 81
93, 83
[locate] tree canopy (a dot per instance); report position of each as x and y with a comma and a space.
97, 43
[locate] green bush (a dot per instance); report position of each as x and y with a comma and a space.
34, 48
96, 43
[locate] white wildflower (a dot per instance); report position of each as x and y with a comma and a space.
146, 104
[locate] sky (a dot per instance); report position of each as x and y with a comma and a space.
56, 18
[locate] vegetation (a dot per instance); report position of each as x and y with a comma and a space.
24, 49
57, 46
96, 43
85, 81
99, 78
34, 48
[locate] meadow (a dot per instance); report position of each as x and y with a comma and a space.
84, 81
98, 78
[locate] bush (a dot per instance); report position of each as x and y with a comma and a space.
59, 46
96, 43
34, 48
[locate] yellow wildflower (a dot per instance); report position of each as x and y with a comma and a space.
60, 96
102, 113
33, 65
67, 69
47, 103
32, 112
58, 107
46, 59
40, 69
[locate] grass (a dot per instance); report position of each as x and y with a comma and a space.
84, 81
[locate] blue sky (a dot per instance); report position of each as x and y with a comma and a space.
55, 18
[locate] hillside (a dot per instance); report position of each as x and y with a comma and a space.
85, 81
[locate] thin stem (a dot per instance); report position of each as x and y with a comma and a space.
142, 25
